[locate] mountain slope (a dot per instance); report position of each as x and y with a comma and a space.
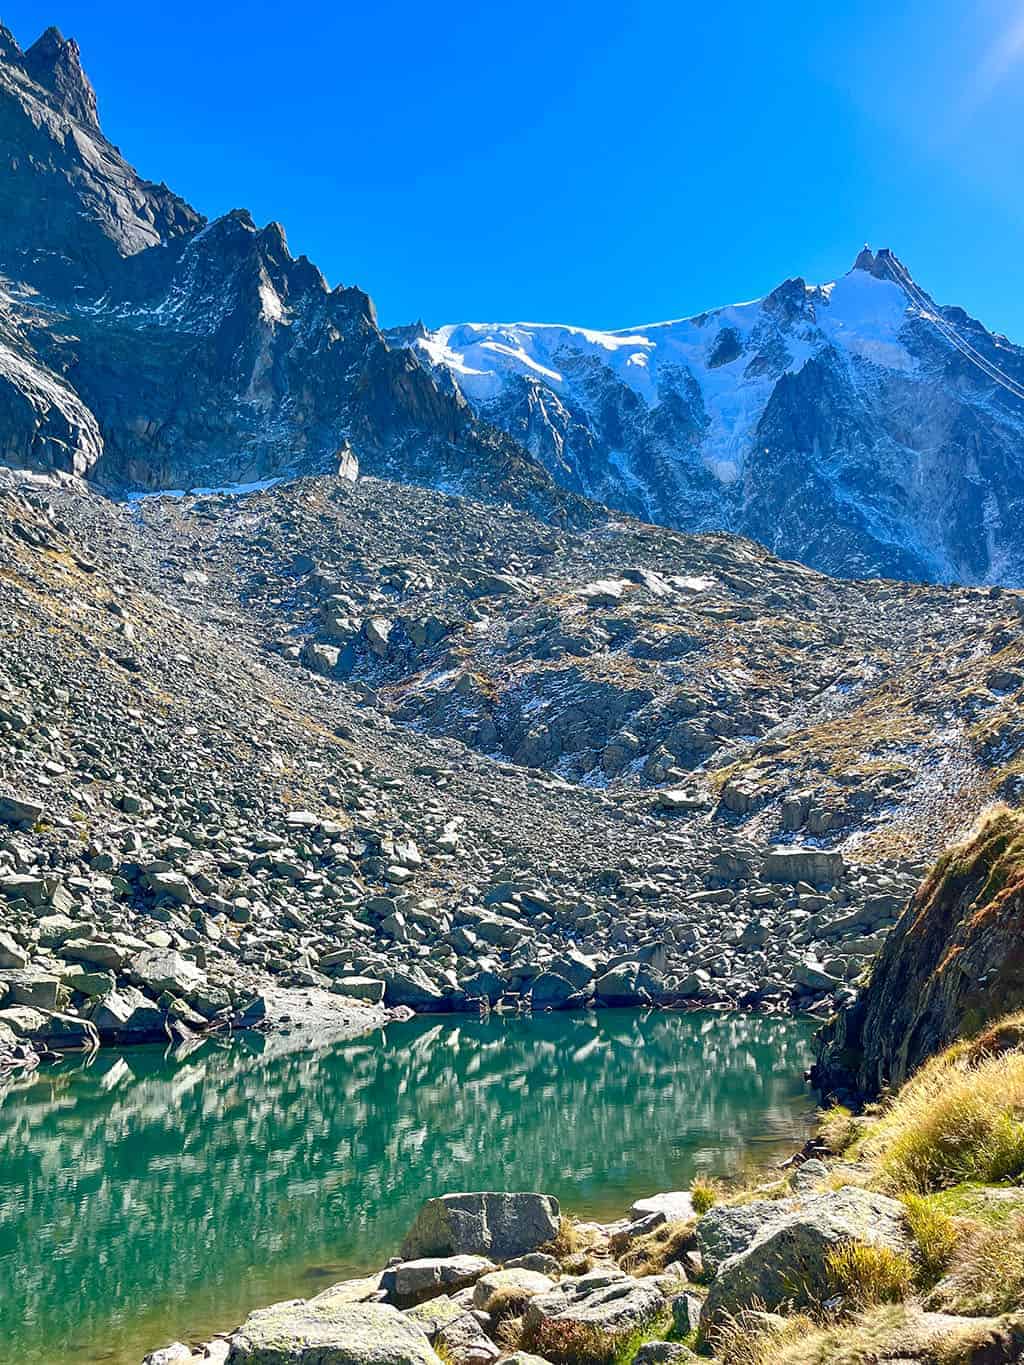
143, 347
855, 426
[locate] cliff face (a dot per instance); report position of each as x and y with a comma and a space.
143, 348
953, 964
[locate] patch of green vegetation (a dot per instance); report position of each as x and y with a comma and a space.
704, 1195
993, 1205
935, 1233
574, 1343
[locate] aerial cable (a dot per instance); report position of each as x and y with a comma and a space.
902, 279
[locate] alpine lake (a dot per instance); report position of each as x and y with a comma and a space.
147, 1196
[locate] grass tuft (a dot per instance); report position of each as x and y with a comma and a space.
838, 1128
704, 1194
986, 1274
952, 1122
935, 1233
649, 1255
865, 1276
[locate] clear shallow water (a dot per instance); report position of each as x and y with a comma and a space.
144, 1199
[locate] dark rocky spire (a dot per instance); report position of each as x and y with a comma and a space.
55, 63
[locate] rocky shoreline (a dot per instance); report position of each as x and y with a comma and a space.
489, 1277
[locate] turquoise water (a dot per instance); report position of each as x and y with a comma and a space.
144, 1198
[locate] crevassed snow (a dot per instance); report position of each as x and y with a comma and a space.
859, 314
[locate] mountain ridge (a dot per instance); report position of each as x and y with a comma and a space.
142, 346
857, 427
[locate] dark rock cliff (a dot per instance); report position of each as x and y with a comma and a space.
953, 965
144, 348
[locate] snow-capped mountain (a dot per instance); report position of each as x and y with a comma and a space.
856, 426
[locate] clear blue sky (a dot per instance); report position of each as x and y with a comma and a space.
580, 160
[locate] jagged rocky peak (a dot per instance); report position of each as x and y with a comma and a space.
55, 63
883, 264
71, 208
10, 51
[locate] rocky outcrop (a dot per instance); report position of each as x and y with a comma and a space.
606, 1300
954, 963
784, 1259
320, 1332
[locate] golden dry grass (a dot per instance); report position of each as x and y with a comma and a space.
649, 1255
864, 1275
953, 1121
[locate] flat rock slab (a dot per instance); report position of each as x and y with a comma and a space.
314, 1332
490, 1288
677, 1206
500, 1226
413, 1281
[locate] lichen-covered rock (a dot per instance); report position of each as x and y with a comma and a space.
785, 1261
490, 1288
489, 1224
312, 1332
728, 1228
607, 1299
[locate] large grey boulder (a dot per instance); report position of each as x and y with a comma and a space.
619, 985
173, 885
784, 1263
728, 1228
803, 864
14, 810
500, 1226
318, 1332
674, 1206
607, 1299
11, 953
663, 1353
360, 988
412, 987
28, 986
127, 1016
94, 953
551, 991
492, 1287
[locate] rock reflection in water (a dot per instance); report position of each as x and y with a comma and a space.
143, 1198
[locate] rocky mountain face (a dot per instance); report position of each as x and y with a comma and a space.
858, 426
145, 348
953, 966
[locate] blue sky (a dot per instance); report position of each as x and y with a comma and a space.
597, 163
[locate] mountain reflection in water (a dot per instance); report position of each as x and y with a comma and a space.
144, 1198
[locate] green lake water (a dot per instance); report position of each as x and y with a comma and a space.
144, 1198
